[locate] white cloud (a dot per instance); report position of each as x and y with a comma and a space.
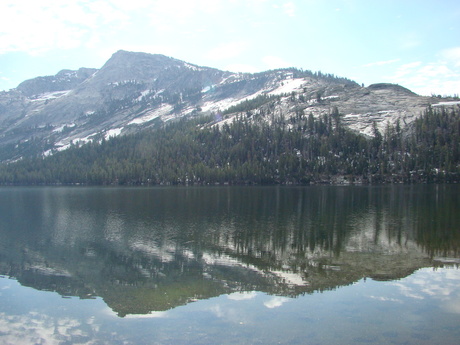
276, 302
381, 63
38, 26
106, 13
273, 62
268, 62
440, 286
107, 52
385, 299
151, 315
406, 69
228, 50
409, 291
411, 65
172, 15
242, 296
173, 10
33, 328
439, 77
241, 68
452, 55
131, 4
409, 40
289, 8
210, 6
436, 70
217, 311
233, 315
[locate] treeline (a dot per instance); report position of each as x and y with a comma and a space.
298, 150
301, 73
251, 104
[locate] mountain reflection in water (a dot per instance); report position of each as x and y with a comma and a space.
154, 249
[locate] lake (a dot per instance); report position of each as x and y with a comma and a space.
230, 265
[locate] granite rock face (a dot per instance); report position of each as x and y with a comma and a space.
63, 81
133, 91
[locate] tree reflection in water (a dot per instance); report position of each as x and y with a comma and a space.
145, 250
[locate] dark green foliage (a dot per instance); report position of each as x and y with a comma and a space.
251, 104
299, 150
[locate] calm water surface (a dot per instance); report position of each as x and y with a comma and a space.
230, 265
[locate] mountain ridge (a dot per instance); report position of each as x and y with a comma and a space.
133, 91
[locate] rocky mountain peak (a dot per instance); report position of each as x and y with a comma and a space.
63, 80
125, 65
132, 91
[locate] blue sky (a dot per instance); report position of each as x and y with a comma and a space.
413, 43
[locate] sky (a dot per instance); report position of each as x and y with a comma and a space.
414, 43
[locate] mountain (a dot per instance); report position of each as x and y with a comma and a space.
133, 91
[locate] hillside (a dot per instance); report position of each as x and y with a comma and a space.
133, 91
294, 126
299, 150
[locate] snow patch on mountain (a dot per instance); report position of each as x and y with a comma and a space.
207, 88
290, 278
219, 105
139, 90
152, 114
61, 128
227, 121
288, 86
193, 67
446, 104
49, 96
111, 133
143, 94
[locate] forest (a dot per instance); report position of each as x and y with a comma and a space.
297, 150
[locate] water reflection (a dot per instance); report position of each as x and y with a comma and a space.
145, 250
419, 309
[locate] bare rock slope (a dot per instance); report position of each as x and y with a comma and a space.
133, 91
